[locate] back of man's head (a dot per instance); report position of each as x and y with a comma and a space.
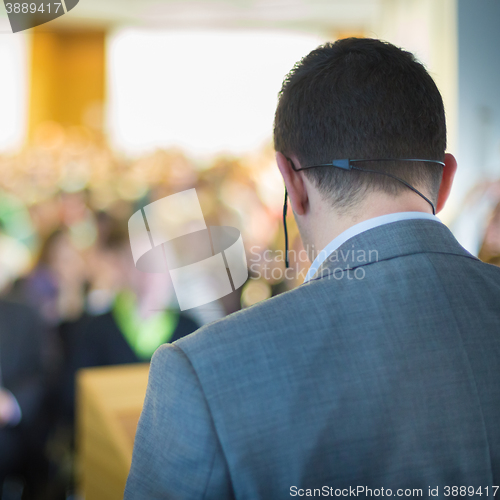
361, 98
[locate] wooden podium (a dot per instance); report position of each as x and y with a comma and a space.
109, 404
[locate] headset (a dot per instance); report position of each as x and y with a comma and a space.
347, 164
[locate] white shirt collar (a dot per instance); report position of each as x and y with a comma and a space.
361, 228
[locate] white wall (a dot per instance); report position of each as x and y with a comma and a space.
205, 91
13, 87
479, 92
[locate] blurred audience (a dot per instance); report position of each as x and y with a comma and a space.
56, 285
131, 313
23, 391
490, 249
469, 226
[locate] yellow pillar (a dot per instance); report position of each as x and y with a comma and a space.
356, 33
67, 76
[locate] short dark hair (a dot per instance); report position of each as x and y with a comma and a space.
362, 98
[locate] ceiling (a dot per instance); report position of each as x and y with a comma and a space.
316, 15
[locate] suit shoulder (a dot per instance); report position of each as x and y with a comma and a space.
269, 315
168, 355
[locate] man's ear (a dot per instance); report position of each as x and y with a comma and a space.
294, 183
449, 170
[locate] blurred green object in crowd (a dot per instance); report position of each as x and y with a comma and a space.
15, 220
144, 335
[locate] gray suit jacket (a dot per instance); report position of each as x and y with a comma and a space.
384, 378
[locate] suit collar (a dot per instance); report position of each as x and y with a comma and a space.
396, 239
360, 228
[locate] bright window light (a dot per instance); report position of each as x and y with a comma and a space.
13, 90
204, 91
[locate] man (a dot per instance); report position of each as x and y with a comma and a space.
381, 371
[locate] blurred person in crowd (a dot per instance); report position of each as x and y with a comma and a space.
490, 249
382, 369
56, 286
46, 217
15, 261
470, 224
23, 418
130, 310
16, 242
16, 221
